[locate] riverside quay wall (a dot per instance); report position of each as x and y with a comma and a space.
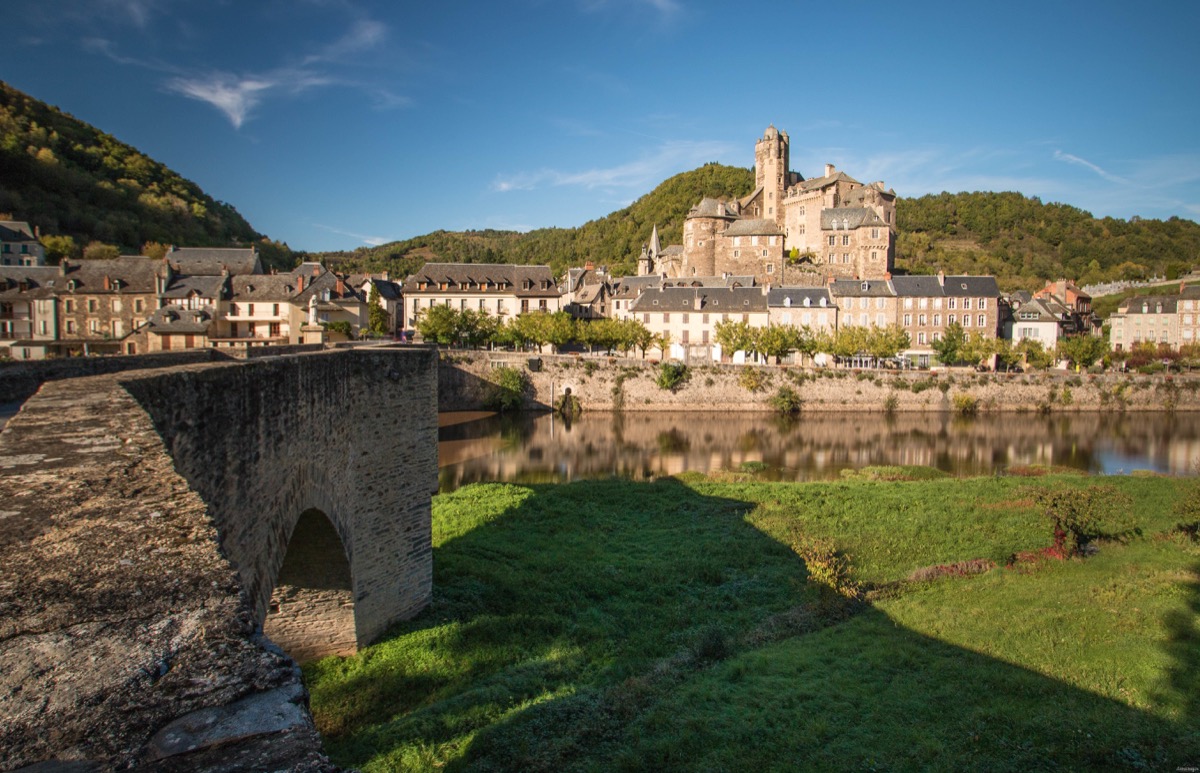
629, 383
144, 519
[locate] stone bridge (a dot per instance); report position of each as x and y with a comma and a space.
154, 523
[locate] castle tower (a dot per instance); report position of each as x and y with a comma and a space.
771, 161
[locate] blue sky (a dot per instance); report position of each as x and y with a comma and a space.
331, 124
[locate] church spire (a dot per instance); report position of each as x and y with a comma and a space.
655, 246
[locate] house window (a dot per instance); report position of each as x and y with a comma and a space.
966, 303
139, 305
737, 253
937, 320
71, 326
951, 302
94, 326
966, 320
832, 240
645, 319
921, 320
275, 310
874, 255
951, 319
542, 304
91, 305
666, 317
908, 320
874, 233
845, 239
116, 305
921, 338
275, 330
845, 257
250, 309
908, 303
982, 304
982, 320
68, 306
686, 318
770, 266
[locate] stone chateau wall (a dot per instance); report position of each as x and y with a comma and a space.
143, 517
603, 383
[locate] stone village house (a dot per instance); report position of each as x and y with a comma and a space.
502, 291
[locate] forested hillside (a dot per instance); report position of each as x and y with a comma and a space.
70, 179
1018, 239
1021, 240
614, 241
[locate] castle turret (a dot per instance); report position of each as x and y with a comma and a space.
771, 161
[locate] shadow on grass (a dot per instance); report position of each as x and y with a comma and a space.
614, 625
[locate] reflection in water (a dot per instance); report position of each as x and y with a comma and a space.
541, 448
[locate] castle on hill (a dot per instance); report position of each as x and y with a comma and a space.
789, 230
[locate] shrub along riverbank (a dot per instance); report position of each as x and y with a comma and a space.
878, 623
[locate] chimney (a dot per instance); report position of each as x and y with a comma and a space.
829, 170
341, 287
941, 275
887, 275
63, 265
317, 270
588, 266
300, 283
107, 283
385, 277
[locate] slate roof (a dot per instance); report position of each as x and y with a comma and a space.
16, 231
793, 297
630, 287
475, 277
710, 207
172, 320
387, 289
926, 286
718, 300
39, 281
753, 228
853, 288
277, 288
815, 183
211, 261
203, 286
1035, 311
1149, 304
135, 275
971, 287
854, 217
1191, 292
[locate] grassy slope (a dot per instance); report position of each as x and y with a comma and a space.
608, 624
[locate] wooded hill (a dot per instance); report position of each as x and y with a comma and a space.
1016, 238
614, 241
68, 178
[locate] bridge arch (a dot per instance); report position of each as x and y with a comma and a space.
311, 611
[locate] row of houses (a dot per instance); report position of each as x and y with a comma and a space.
1157, 319
687, 309
191, 298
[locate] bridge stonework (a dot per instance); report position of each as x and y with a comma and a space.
144, 518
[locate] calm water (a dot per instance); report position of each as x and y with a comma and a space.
541, 448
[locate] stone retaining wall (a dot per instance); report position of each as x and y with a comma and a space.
603, 383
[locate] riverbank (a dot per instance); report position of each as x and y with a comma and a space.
629, 384
689, 624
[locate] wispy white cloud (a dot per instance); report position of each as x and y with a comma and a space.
1070, 159
641, 174
232, 95
371, 241
237, 94
138, 12
667, 8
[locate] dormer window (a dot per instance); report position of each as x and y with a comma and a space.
866, 286
807, 302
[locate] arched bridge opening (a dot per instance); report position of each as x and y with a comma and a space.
311, 613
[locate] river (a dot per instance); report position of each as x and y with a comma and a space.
541, 448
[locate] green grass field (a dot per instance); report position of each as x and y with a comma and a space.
611, 625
